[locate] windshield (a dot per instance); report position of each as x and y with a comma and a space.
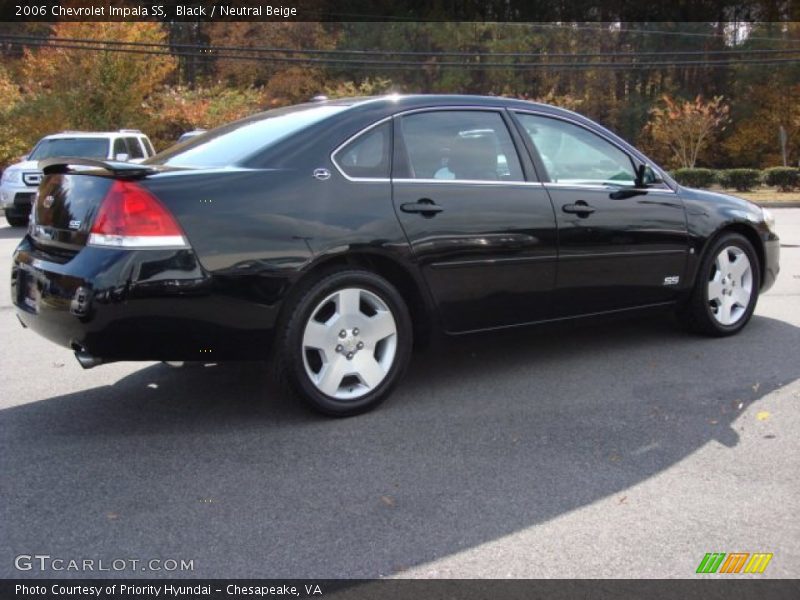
230, 144
73, 147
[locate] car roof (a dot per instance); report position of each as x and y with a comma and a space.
424, 100
93, 134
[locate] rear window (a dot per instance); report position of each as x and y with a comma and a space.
232, 143
73, 147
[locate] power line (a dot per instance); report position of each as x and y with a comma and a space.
432, 53
395, 65
617, 29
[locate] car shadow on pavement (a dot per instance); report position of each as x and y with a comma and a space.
487, 435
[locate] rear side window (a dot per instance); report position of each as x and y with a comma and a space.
149, 146
368, 155
461, 145
134, 149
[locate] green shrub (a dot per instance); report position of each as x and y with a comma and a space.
742, 180
783, 178
696, 178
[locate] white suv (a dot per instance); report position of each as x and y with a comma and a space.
20, 181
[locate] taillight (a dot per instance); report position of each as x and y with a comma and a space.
131, 217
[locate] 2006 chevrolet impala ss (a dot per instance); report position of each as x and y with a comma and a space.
327, 236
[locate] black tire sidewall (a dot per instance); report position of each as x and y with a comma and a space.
17, 221
710, 322
293, 358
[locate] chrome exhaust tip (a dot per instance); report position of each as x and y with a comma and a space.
87, 361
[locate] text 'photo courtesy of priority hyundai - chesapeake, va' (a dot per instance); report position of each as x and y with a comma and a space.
306, 300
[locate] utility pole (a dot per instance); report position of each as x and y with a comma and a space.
783, 138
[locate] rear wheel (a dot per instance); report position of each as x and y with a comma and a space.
347, 343
16, 221
726, 289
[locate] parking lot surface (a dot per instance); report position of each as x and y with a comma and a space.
615, 449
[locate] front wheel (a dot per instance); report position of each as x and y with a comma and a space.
346, 344
726, 289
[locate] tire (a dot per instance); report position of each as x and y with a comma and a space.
346, 344
17, 221
724, 295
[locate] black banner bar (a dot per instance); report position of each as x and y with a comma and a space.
399, 10
732, 588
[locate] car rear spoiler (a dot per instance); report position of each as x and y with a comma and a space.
122, 170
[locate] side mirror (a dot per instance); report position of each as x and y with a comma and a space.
646, 176
122, 157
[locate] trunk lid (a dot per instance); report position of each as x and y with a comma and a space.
64, 209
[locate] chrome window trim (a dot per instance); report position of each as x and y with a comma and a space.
538, 113
350, 139
468, 181
608, 188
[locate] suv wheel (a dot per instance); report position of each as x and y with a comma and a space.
16, 221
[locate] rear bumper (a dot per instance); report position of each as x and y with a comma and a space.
135, 305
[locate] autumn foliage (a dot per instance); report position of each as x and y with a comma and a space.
687, 127
684, 116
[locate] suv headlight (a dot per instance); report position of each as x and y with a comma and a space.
769, 219
12, 176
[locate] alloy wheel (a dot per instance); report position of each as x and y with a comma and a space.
349, 343
730, 286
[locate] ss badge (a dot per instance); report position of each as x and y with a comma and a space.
674, 280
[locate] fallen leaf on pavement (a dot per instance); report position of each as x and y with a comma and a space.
762, 415
387, 500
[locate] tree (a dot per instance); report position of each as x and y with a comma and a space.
178, 109
284, 81
11, 144
687, 127
96, 90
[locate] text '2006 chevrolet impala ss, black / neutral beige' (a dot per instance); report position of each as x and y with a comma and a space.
326, 237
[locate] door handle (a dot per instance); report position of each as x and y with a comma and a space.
580, 208
424, 206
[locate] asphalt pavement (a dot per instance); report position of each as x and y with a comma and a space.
616, 449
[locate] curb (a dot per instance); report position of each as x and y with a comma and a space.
788, 204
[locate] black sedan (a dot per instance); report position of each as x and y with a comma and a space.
328, 237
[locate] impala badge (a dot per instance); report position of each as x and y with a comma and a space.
322, 174
48, 201
674, 280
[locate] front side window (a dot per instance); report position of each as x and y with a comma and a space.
572, 154
460, 145
368, 155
